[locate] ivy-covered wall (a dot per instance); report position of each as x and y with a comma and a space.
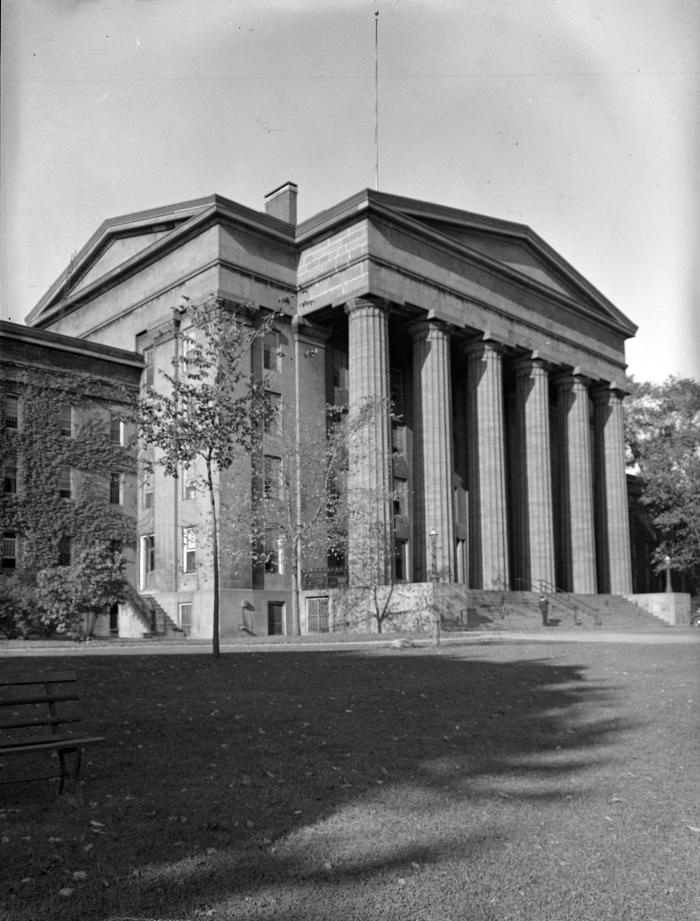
49, 439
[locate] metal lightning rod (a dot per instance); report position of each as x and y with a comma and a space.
376, 100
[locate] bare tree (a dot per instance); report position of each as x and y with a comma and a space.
210, 409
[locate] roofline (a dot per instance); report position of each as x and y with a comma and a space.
409, 212
36, 336
188, 215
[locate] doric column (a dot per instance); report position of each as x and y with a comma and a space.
611, 493
432, 384
536, 537
370, 526
488, 552
578, 536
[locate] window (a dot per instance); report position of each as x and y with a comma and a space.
64, 551
273, 417
9, 550
400, 560
272, 477
274, 557
397, 393
272, 354
116, 430
10, 474
189, 487
147, 491
189, 549
148, 367
65, 420
11, 411
64, 482
400, 497
116, 489
398, 439
148, 552
340, 377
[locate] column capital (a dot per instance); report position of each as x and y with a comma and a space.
486, 346
425, 326
606, 391
366, 303
525, 365
567, 380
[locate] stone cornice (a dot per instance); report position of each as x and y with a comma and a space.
32, 336
407, 213
192, 219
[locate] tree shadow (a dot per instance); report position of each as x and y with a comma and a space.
222, 778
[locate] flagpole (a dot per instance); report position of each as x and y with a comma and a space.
376, 100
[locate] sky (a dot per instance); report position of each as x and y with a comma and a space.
579, 119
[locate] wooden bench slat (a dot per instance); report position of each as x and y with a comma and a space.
48, 678
45, 699
26, 723
34, 723
55, 744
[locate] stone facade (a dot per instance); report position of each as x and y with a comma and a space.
495, 452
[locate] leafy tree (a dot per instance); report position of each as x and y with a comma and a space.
663, 446
212, 408
70, 596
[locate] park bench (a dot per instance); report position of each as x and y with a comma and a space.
36, 716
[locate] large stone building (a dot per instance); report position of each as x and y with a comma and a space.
499, 367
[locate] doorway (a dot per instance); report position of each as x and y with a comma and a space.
275, 618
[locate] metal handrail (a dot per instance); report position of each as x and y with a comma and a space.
565, 597
334, 577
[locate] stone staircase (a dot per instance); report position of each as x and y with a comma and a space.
155, 619
161, 624
472, 609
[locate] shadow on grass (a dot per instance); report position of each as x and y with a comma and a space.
223, 778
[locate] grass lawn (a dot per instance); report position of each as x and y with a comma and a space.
485, 782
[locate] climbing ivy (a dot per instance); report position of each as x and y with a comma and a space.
36, 511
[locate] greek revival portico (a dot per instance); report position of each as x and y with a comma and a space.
512, 368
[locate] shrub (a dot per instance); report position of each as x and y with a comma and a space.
18, 607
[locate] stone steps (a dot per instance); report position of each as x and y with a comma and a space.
474, 609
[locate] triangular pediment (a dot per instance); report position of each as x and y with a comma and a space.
116, 252
509, 247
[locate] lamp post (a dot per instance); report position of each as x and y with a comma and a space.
433, 578
667, 567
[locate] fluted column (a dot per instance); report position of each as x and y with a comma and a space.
432, 384
611, 495
488, 550
536, 537
370, 525
578, 536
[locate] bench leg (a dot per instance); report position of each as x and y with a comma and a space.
74, 774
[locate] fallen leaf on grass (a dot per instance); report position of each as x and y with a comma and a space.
694, 828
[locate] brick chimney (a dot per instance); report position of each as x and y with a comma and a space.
282, 202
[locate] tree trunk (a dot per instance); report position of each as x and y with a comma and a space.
215, 554
296, 586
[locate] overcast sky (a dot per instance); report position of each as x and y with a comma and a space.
579, 119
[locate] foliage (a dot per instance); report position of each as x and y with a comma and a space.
663, 445
41, 450
304, 511
66, 595
210, 408
18, 608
